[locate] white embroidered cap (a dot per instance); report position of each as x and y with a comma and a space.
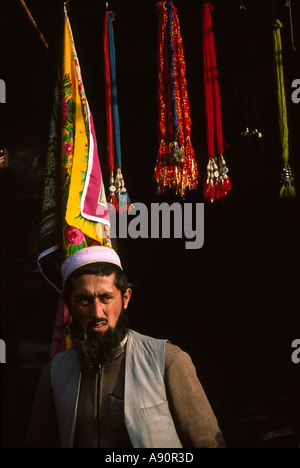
89, 255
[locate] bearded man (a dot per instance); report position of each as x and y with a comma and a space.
116, 388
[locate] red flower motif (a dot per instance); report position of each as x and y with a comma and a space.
68, 148
64, 111
74, 236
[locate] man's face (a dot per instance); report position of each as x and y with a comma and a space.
96, 303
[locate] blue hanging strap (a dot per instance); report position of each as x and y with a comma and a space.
114, 95
175, 118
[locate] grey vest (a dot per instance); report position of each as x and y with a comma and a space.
148, 419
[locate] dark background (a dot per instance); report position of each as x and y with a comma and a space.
234, 304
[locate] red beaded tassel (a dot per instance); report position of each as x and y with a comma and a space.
175, 166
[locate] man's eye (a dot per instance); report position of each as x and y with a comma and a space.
106, 298
84, 301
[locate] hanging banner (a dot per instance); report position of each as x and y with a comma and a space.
75, 213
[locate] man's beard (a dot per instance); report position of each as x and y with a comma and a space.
97, 348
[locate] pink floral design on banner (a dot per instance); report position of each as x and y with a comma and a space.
68, 148
64, 111
75, 237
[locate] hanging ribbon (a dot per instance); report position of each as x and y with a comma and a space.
288, 3
175, 165
217, 184
287, 189
118, 195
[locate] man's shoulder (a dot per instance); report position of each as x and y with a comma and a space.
63, 356
60, 360
175, 353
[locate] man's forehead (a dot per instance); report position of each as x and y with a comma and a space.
88, 282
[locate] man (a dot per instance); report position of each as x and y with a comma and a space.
116, 388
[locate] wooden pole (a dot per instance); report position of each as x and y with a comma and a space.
31, 19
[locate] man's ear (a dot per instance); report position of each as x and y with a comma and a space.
126, 298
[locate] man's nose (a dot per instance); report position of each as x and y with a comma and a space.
97, 309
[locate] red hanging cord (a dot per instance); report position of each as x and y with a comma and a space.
217, 184
112, 199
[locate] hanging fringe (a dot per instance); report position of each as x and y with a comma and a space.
175, 165
118, 195
287, 178
217, 184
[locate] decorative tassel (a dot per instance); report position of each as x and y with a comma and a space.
175, 165
118, 195
122, 195
112, 198
217, 184
287, 189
